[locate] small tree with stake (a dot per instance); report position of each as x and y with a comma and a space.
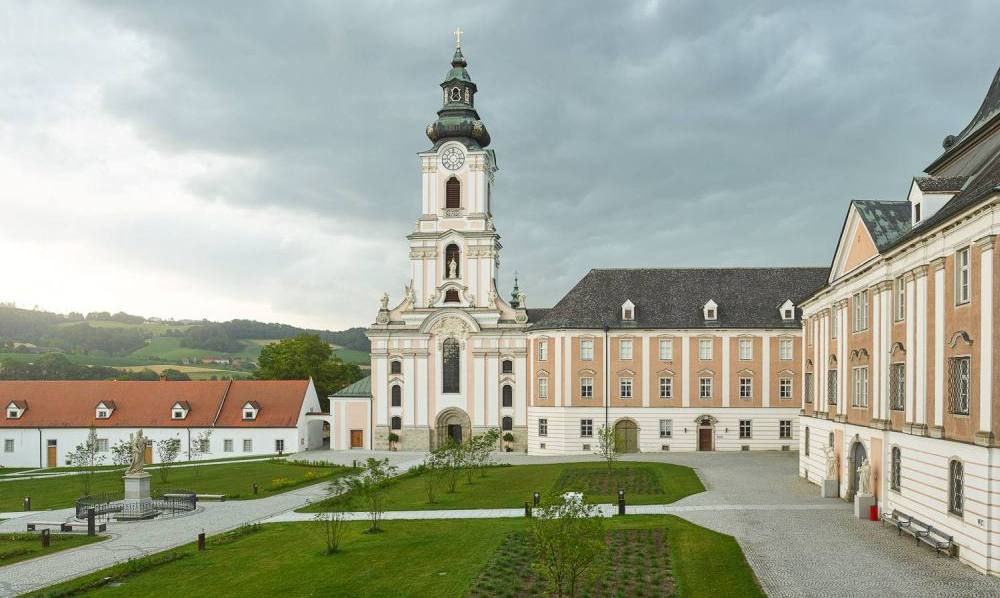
607, 447
167, 450
333, 525
370, 486
87, 456
569, 538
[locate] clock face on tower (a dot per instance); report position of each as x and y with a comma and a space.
452, 158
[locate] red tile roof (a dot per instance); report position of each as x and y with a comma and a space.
70, 404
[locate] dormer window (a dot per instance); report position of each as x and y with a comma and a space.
15, 409
628, 311
250, 410
711, 311
787, 310
180, 410
104, 409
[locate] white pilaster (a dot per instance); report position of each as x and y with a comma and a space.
765, 375
686, 371
920, 348
875, 371
725, 370
643, 375
910, 352
985, 333
939, 373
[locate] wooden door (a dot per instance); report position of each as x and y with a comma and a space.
704, 439
147, 458
357, 439
51, 456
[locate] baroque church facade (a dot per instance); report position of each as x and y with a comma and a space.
672, 359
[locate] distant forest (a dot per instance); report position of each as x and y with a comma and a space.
78, 333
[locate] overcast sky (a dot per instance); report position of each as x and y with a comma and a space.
258, 160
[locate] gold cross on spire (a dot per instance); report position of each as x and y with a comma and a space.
458, 37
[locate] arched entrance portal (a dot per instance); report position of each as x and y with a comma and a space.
453, 424
706, 432
627, 436
857, 457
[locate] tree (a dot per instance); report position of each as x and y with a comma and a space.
607, 446
482, 448
121, 453
306, 356
569, 538
333, 525
369, 486
88, 456
167, 450
452, 461
200, 446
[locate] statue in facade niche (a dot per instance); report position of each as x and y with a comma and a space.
865, 478
453, 268
831, 463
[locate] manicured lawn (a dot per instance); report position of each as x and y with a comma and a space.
511, 486
411, 558
235, 480
21, 547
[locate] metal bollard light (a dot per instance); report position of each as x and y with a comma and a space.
621, 502
255, 487
201, 540
91, 524
27, 503
537, 498
527, 510
45, 538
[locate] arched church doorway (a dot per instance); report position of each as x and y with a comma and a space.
706, 432
453, 424
627, 436
856, 458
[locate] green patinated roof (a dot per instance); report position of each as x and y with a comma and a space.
885, 220
361, 388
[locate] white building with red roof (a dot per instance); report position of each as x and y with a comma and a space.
44, 421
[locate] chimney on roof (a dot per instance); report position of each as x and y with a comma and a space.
163, 377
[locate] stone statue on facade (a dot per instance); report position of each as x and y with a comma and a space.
865, 479
385, 301
522, 300
453, 268
409, 294
831, 463
137, 444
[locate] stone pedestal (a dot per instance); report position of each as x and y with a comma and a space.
137, 503
830, 489
862, 505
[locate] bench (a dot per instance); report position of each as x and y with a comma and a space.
918, 529
218, 497
82, 526
938, 540
898, 519
62, 525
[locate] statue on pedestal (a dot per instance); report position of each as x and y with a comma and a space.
137, 442
865, 479
831, 463
453, 268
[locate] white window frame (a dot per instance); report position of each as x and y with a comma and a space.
666, 387
625, 387
587, 349
900, 312
8, 445
586, 428
248, 445
786, 349
705, 382
103, 414
543, 387
227, 445
745, 348
705, 348
543, 426
746, 388
784, 429
625, 349
963, 276
785, 388
279, 445
543, 350
666, 428
586, 387
746, 428
859, 386
860, 305
666, 348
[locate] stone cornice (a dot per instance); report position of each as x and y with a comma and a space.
919, 271
985, 243
883, 285
937, 263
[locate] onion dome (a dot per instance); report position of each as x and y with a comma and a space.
457, 119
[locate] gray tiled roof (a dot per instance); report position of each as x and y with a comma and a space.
940, 184
674, 297
885, 220
537, 314
988, 110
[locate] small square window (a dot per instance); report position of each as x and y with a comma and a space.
8, 445
745, 429
227, 445
586, 428
247, 445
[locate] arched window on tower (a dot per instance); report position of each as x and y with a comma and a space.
397, 423
395, 367
453, 193
452, 254
507, 367
507, 423
397, 395
450, 366
508, 395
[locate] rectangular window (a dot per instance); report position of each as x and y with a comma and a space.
102, 414
102, 445
543, 427
704, 387
745, 429
178, 414
586, 388
860, 395
248, 414
785, 388
785, 429
704, 348
831, 387
543, 350
543, 388
900, 299
785, 349
746, 388
586, 428
625, 388
962, 276
860, 302
666, 349
959, 371
625, 348
8, 445
227, 445
666, 388
897, 386
247, 445
746, 349
587, 349
279, 445
204, 445
666, 428
809, 388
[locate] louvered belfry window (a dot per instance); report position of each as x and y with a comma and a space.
453, 194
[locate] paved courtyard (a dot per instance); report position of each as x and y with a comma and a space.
797, 543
